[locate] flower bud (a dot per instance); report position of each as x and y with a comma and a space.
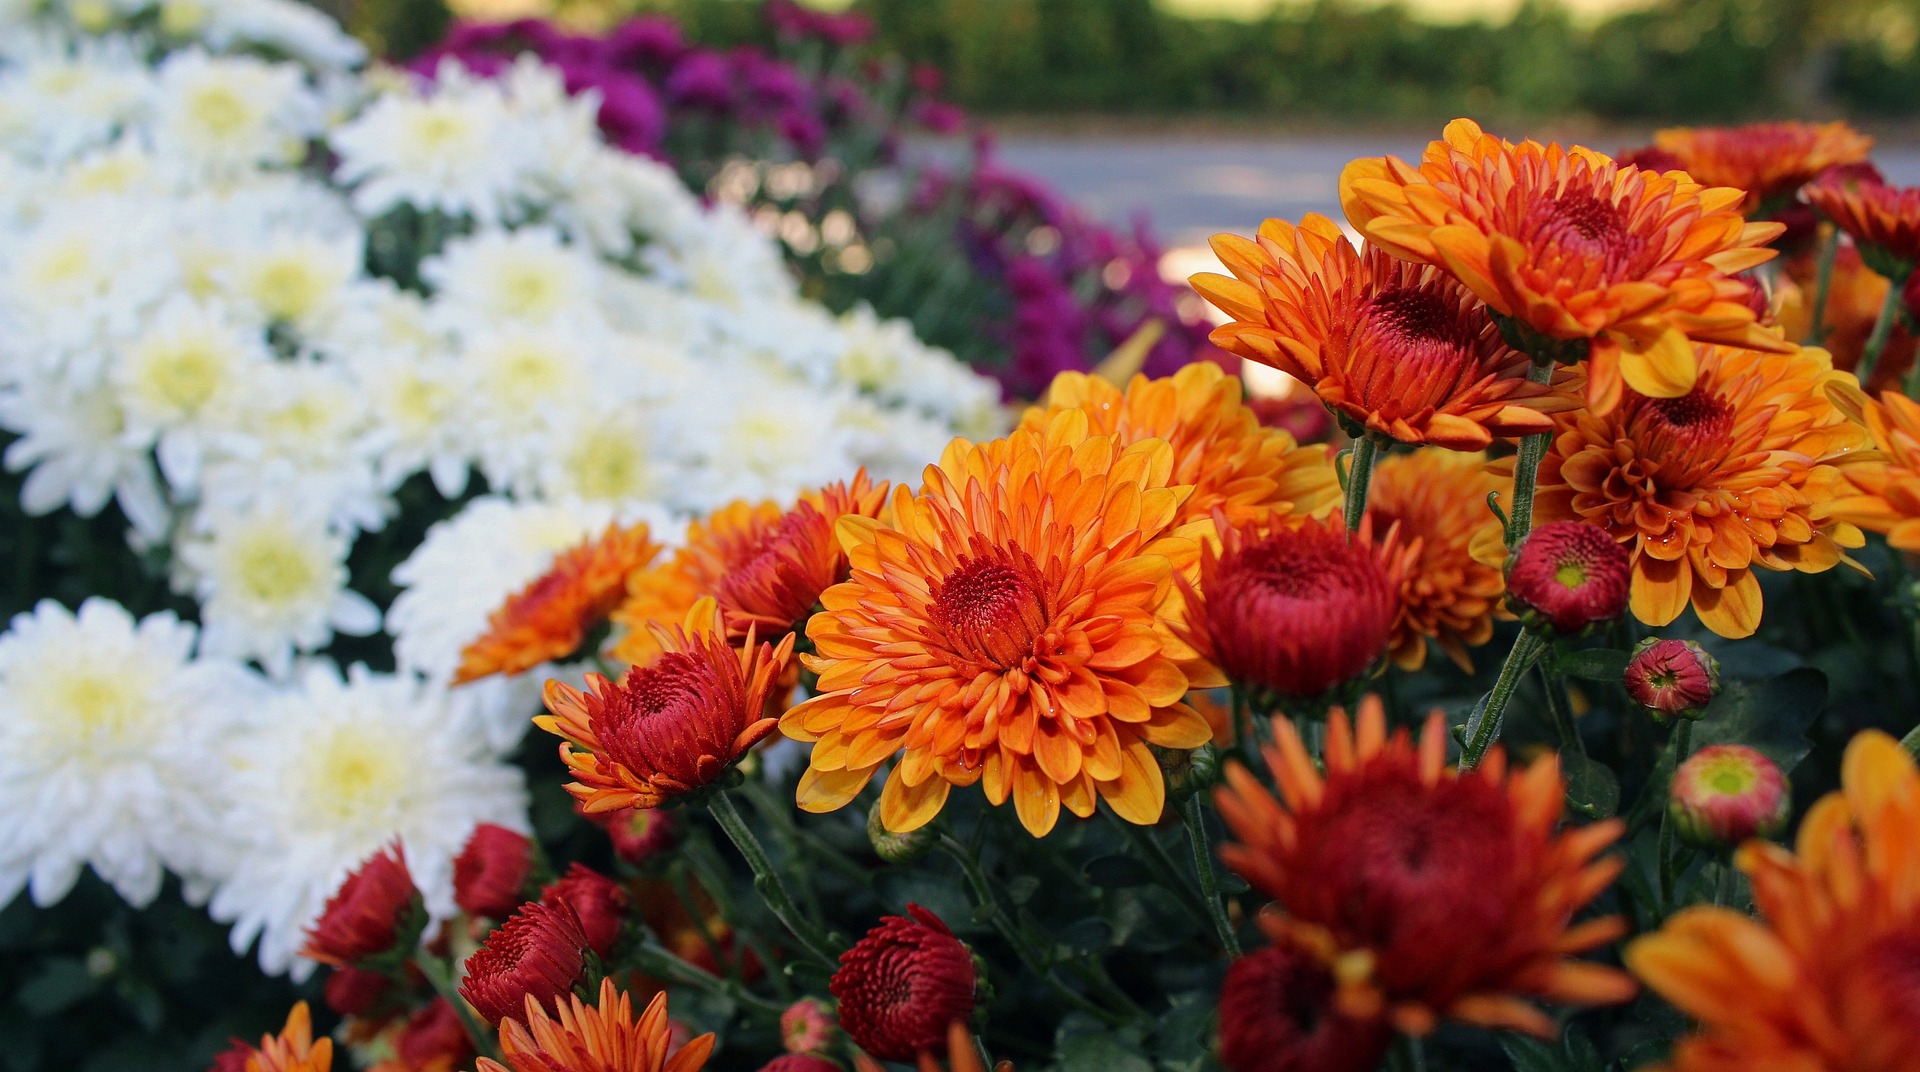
352, 992
539, 952
807, 1026
434, 1034
490, 874
800, 1062
639, 834
597, 901
901, 985
897, 848
1672, 678
1726, 793
1567, 576
373, 920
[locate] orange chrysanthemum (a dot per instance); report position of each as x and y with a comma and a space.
1825, 981
1883, 220
549, 618
1219, 445
1855, 294
294, 1049
772, 583
1399, 349
1883, 488
663, 595
1741, 472
672, 726
1431, 894
597, 1038
1010, 627
1573, 246
1438, 501
1767, 160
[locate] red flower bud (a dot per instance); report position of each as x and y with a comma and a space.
352, 992
375, 911
1568, 575
539, 951
490, 874
434, 1033
1672, 678
1277, 1014
234, 1058
800, 1062
1726, 793
639, 834
901, 985
807, 1026
597, 901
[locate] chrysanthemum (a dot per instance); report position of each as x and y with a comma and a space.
294, 1049
1219, 446
537, 955
547, 620
770, 581
1824, 980
1437, 501
672, 726
1278, 1014
1399, 349
1574, 247
1294, 607
1855, 294
1009, 627
902, 983
600, 1038
376, 911
1767, 160
1567, 576
1883, 489
1432, 894
664, 593
490, 874
1883, 220
1725, 794
1737, 473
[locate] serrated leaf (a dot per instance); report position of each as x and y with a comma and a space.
1100, 1052
1591, 664
1770, 716
1593, 790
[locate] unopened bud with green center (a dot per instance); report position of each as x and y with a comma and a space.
1568, 576
1727, 793
897, 848
1672, 678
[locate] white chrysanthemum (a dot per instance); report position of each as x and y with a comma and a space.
272, 581
106, 733
181, 378
57, 101
606, 454
726, 261
519, 380
768, 437
295, 278
414, 402
526, 275
291, 29
618, 203
84, 278
124, 168
221, 115
884, 358
444, 152
302, 429
74, 441
332, 771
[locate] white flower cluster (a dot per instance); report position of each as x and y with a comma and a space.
262, 301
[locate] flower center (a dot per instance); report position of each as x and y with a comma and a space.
1571, 573
355, 776
1686, 438
1414, 334
274, 573
992, 608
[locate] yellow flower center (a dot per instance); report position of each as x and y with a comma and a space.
1571, 573
351, 771
436, 128
100, 704
271, 572
68, 264
184, 375
220, 111
527, 291
609, 464
180, 18
287, 288
526, 373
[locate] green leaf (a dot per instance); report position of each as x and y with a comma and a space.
60, 983
1769, 715
1573, 1054
1101, 1052
1592, 664
1593, 789
1117, 871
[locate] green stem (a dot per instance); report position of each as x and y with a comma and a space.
1408, 1055
1359, 475
440, 977
1721, 874
1822, 284
1681, 744
1162, 862
1483, 727
766, 881
1562, 712
661, 963
1526, 470
1194, 814
1882, 331
1911, 742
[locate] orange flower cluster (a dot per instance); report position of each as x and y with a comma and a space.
1884, 487
603, 1037
1767, 160
1436, 501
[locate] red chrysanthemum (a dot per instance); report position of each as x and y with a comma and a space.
1883, 220
800, 1062
549, 618
597, 902
490, 874
1672, 678
1767, 160
669, 727
355, 992
539, 952
1568, 575
1277, 1014
1294, 606
434, 1038
371, 913
770, 582
901, 985
1429, 893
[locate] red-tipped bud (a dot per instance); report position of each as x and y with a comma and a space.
1277, 1014
373, 920
353, 992
1726, 793
1568, 575
490, 874
540, 951
807, 1026
639, 834
434, 1037
901, 985
597, 901
1672, 678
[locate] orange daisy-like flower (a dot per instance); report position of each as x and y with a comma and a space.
1883, 493
549, 618
1825, 981
598, 1038
1738, 473
669, 727
1767, 160
294, 1049
1573, 246
1399, 349
1437, 499
1855, 294
1883, 220
1010, 627
663, 594
1219, 446
1431, 894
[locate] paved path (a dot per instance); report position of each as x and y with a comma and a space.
1192, 188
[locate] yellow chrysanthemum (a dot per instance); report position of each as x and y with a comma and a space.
1826, 979
1575, 247
1010, 627
1884, 486
1438, 500
1219, 446
1739, 472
